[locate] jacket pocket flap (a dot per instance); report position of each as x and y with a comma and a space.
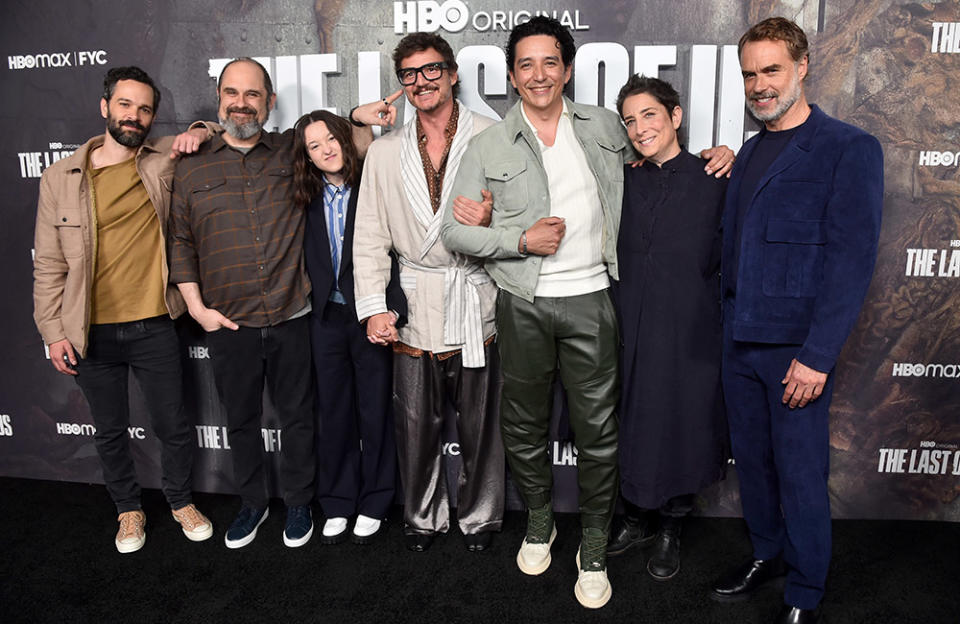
68, 217
504, 171
209, 185
611, 145
281, 171
801, 231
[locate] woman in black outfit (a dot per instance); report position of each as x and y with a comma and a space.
673, 435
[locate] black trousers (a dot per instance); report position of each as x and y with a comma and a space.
150, 349
280, 356
577, 336
356, 448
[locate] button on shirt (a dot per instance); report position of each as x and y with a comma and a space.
336, 200
236, 231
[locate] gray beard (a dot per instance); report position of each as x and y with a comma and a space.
241, 131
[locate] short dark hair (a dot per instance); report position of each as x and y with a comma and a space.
778, 29
307, 179
130, 72
660, 90
267, 83
542, 25
421, 41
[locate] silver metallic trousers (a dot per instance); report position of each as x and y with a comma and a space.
423, 389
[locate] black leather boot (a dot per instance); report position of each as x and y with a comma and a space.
631, 531
664, 561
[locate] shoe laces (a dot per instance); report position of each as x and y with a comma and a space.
593, 550
131, 523
539, 525
189, 517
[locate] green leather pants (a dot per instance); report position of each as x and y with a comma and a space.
577, 336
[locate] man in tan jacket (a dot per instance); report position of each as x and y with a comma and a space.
102, 301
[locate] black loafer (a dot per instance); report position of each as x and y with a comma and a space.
796, 615
740, 582
419, 542
476, 542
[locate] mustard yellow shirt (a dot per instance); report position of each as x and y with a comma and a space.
128, 270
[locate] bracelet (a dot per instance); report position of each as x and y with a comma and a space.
523, 242
354, 121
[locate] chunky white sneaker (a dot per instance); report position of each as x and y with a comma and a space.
365, 529
534, 558
593, 587
131, 536
334, 531
195, 525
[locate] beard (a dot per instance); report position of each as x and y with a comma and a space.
784, 102
242, 131
127, 138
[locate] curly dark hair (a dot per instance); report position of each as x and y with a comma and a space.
542, 25
130, 72
307, 179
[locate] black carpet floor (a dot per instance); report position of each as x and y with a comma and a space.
58, 564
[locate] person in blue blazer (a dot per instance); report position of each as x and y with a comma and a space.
800, 230
356, 449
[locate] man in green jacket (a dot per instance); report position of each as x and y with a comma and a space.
555, 170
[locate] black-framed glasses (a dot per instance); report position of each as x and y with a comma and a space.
431, 71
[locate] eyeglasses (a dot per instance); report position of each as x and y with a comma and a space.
431, 71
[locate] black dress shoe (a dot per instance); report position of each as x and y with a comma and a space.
738, 584
796, 615
478, 541
632, 531
419, 542
664, 561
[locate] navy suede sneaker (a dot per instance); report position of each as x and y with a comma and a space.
299, 526
244, 528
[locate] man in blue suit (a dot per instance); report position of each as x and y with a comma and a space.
800, 231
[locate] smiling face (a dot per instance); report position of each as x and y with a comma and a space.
652, 130
129, 113
244, 103
324, 151
539, 75
429, 95
773, 84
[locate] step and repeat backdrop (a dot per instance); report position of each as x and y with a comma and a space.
890, 67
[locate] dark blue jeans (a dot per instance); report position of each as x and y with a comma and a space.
150, 349
280, 356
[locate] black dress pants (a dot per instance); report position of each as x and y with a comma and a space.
242, 361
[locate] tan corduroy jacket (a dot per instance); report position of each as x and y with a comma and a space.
65, 240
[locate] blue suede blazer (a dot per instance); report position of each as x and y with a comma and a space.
809, 239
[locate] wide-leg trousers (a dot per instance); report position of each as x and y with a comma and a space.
242, 361
577, 336
423, 388
150, 349
782, 459
356, 450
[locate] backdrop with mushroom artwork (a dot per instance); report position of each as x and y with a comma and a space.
890, 67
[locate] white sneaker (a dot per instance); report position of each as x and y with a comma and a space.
365, 529
534, 559
593, 588
334, 531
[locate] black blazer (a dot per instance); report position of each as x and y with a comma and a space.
316, 249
